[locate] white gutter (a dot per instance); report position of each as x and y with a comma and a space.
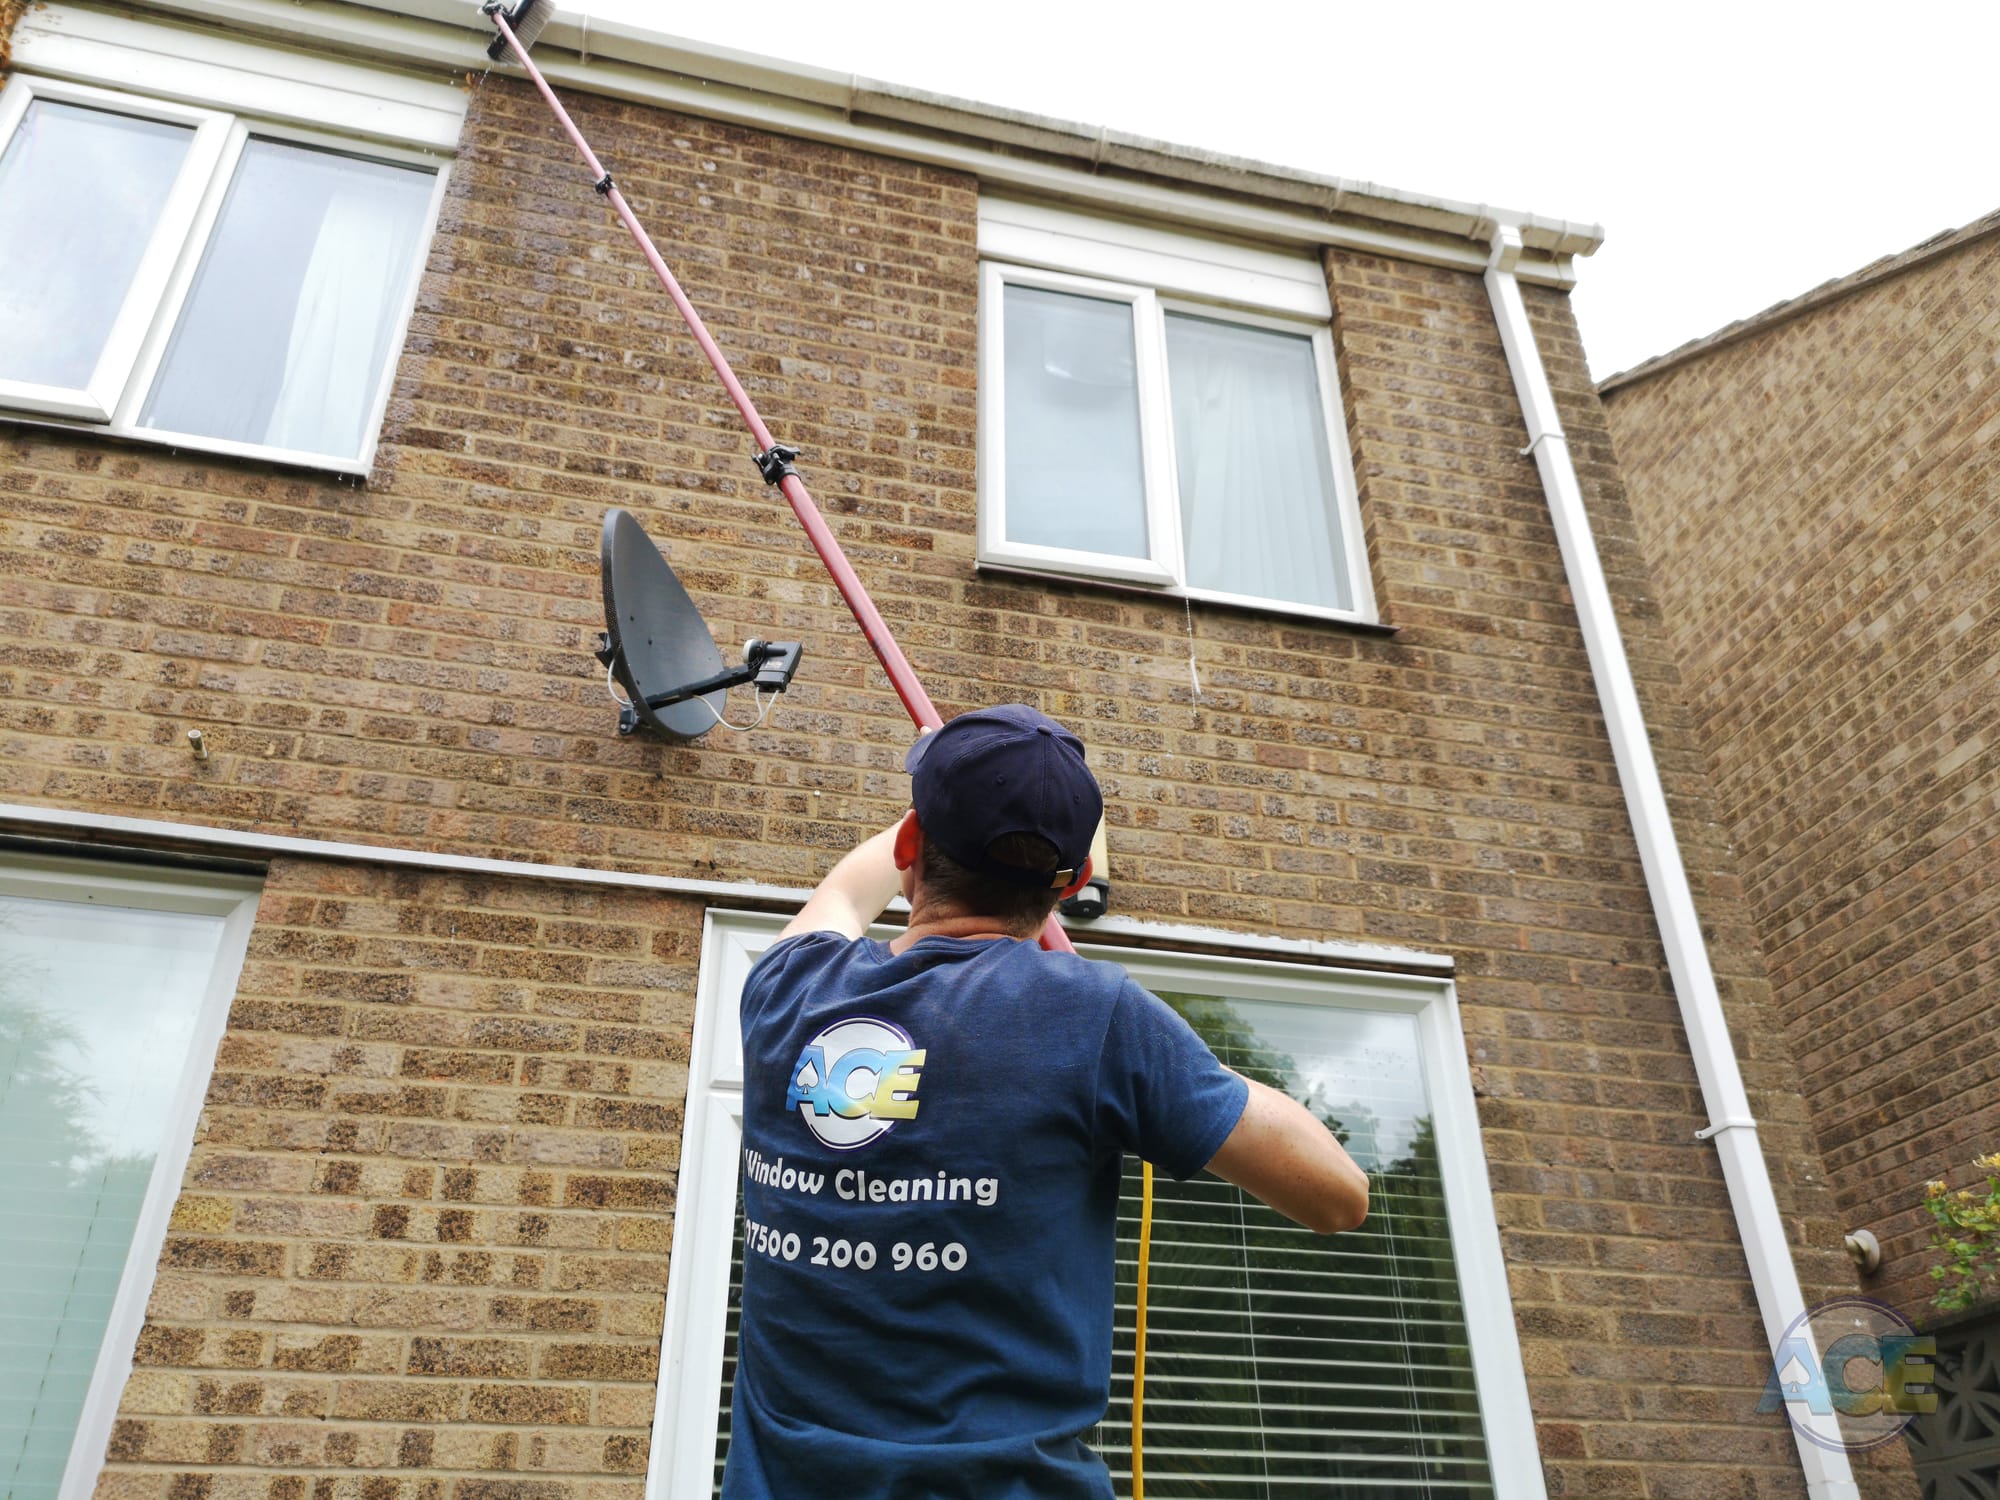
1828, 1476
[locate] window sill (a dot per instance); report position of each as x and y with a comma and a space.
1355, 623
176, 443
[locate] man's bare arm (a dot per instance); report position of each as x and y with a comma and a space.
1281, 1154
854, 892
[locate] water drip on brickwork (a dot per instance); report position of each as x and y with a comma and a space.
478, 83
1194, 676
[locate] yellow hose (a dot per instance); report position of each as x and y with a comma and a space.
1139, 1333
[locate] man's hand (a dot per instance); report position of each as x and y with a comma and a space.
1281, 1154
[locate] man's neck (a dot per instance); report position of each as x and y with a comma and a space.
928, 921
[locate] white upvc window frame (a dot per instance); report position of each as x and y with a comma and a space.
230, 89
1347, 503
98, 399
234, 899
1162, 565
686, 1417
1165, 567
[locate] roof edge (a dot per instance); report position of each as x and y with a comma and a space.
1088, 149
1944, 243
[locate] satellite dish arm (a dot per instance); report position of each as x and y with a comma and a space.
771, 663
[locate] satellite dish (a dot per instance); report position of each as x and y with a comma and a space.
658, 648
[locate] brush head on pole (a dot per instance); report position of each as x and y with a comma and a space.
525, 18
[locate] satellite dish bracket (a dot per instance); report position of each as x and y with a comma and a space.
770, 664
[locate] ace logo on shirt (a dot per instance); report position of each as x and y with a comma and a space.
855, 1080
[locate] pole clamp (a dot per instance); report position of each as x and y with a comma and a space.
775, 463
603, 185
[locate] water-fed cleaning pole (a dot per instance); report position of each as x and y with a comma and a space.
774, 459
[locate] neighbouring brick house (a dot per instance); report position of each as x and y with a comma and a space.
391, 1027
1815, 487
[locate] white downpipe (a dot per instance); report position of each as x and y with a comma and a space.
1828, 1476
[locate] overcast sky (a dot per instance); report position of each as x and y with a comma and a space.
1736, 154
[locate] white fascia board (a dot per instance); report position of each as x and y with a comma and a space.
628, 62
62, 822
1099, 146
1242, 217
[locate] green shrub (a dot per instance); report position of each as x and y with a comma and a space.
1965, 1230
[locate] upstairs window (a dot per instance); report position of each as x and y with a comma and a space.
1173, 424
207, 257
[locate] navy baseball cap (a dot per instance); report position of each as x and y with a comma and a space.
1003, 770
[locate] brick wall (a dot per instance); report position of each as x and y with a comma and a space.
11, 12
425, 1226
407, 662
1638, 1326
1818, 498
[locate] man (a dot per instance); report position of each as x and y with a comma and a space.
932, 1131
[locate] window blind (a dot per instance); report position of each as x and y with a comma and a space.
97, 1011
1281, 1362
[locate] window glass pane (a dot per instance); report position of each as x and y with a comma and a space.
97, 1010
80, 193
295, 309
1074, 478
1280, 1362
1256, 474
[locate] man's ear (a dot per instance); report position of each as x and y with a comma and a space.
909, 840
1082, 880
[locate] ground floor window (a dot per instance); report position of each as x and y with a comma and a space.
114, 984
1279, 1361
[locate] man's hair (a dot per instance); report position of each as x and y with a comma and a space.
1017, 907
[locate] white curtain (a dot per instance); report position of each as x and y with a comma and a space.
1256, 476
285, 333
346, 313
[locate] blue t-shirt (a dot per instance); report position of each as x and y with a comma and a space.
931, 1153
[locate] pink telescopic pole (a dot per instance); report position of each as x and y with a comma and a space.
773, 458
